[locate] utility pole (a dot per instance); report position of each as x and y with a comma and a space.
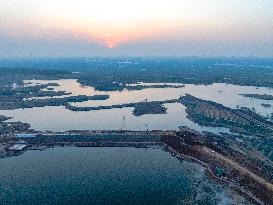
123, 123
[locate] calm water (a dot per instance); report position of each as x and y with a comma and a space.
61, 119
226, 94
46, 118
103, 176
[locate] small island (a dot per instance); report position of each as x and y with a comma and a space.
144, 108
266, 105
258, 96
149, 107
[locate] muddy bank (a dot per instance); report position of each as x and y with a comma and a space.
222, 163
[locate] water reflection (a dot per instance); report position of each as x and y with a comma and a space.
226, 94
95, 176
60, 119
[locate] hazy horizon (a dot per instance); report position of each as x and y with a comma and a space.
92, 28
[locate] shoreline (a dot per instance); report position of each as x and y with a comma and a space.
184, 144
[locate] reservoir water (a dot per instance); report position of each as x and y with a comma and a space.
43, 119
70, 175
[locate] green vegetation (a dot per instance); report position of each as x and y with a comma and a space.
109, 74
115, 73
265, 146
220, 172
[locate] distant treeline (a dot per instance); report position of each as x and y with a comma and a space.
115, 73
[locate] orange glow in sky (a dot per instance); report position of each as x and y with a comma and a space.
105, 21
115, 24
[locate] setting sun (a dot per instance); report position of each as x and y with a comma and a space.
167, 25
114, 22
136, 102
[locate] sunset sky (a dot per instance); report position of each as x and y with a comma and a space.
74, 28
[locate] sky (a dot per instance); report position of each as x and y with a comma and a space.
83, 28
